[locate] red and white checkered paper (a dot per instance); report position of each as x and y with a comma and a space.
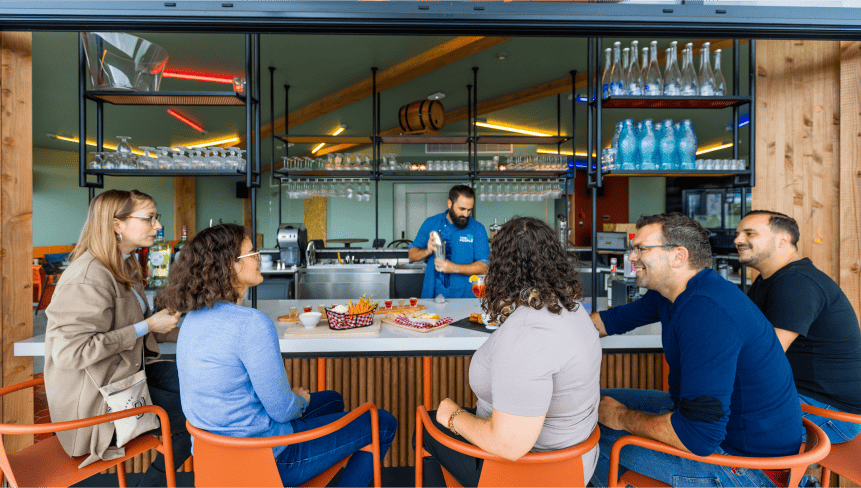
402, 320
340, 321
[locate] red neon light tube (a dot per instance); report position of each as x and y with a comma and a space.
182, 118
197, 76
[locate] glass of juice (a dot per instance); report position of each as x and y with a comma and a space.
388, 304
322, 309
400, 303
294, 311
479, 289
413, 301
307, 309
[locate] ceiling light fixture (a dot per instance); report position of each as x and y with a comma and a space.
512, 129
184, 119
217, 142
340, 129
183, 74
112, 147
318, 147
436, 96
713, 148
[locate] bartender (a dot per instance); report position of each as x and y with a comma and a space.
465, 246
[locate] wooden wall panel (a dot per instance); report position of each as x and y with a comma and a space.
16, 224
850, 172
798, 142
184, 205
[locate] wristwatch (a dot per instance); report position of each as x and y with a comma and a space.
451, 421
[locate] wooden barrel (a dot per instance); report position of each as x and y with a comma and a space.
422, 115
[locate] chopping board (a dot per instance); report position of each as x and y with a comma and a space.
322, 330
390, 320
379, 311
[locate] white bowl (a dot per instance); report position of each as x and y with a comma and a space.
486, 319
310, 319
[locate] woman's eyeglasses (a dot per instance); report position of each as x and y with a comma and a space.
253, 253
152, 220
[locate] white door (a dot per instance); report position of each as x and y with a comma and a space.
416, 202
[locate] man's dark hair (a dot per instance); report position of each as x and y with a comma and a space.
680, 230
779, 222
460, 190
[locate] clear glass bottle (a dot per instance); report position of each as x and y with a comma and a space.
614, 147
667, 146
690, 84
673, 76
687, 146
720, 82
707, 76
654, 83
617, 86
607, 79
635, 76
671, 87
625, 69
648, 145
159, 261
625, 157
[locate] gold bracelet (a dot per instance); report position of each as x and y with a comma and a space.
451, 421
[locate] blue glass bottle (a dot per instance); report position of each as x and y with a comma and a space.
687, 146
638, 133
667, 146
614, 148
627, 152
648, 145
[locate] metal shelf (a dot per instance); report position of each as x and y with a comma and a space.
167, 98
425, 175
164, 172
532, 140
325, 174
673, 172
524, 174
316, 139
672, 102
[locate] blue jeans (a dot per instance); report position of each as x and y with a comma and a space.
660, 466
837, 430
301, 462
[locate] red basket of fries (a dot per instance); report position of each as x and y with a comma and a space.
343, 321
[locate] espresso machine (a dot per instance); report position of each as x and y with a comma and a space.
292, 239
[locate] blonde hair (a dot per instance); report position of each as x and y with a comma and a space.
98, 236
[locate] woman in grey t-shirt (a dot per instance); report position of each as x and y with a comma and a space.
537, 377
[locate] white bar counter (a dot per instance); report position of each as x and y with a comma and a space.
394, 341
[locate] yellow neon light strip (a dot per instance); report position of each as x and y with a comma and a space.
563, 153
713, 148
340, 129
218, 142
318, 147
93, 143
512, 129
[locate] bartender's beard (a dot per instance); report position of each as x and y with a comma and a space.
459, 222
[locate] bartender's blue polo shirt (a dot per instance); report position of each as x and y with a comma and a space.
465, 246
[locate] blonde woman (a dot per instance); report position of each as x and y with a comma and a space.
101, 326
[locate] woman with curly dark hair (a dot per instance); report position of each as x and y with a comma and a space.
230, 367
537, 377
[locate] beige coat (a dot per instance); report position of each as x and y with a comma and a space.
90, 326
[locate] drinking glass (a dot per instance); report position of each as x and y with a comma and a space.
367, 191
350, 191
479, 289
164, 161
96, 161
180, 160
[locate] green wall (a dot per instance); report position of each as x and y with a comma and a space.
646, 196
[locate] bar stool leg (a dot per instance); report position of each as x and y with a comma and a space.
321, 374
426, 382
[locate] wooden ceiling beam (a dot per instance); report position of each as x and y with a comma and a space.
531, 94
426, 62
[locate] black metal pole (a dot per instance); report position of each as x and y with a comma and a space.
248, 101
590, 85
82, 117
257, 177
470, 135
375, 106
475, 113
735, 92
375, 150
272, 125
752, 113
573, 126
286, 143
599, 142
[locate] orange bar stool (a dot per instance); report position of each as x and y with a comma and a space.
816, 448
248, 461
556, 468
844, 458
47, 464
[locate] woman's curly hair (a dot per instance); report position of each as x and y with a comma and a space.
203, 273
528, 266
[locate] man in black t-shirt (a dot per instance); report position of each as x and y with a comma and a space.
813, 319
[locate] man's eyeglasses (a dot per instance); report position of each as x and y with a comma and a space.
640, 249
253, 253
152, 220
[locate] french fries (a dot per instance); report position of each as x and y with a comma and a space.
364, 305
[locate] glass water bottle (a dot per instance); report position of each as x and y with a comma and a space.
635, 77
625, 70
667, 146
618, 84
687, 145
675, 74
607, 79
671, 88
707, 76
720, 82
626, 156
648, 144
654, 83
690, 84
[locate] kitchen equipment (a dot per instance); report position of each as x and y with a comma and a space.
119, 61
624, 291
292, 239
612, 241
562, 230
311, 254
439, 244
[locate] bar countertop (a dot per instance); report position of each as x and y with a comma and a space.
394, 341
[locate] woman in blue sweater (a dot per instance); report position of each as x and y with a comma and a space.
231, 373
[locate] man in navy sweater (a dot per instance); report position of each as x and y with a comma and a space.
730, 386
